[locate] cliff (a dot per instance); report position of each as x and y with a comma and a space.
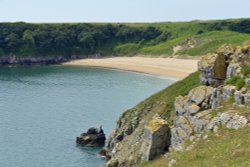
187, 114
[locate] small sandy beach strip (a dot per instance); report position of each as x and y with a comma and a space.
166, 67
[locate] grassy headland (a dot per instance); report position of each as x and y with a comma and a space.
193, 38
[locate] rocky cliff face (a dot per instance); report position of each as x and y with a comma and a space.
200, 111
156, 139
223, 99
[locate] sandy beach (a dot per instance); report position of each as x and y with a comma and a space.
166, 67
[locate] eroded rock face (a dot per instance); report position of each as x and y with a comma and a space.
195, 101
230, 119
193, 112
224, 64
242, 96
199, 111
156, 139
189, 113
94, 137
213, 69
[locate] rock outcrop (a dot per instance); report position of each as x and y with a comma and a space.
231, 119
156, 139
194, 112
225, 63
139, 136
189, 113
213, 69
94, 137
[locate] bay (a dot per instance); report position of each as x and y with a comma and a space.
43, 109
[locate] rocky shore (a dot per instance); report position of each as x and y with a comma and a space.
27, 61
94, 137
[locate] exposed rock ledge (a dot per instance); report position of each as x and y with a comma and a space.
196, 113
94, 137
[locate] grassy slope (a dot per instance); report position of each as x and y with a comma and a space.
161, 103
227, 148
223, 149
209, 41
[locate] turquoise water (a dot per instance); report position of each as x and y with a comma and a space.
43, 109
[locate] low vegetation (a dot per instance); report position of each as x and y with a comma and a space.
223, 149
237, 81
163, 102
194, 38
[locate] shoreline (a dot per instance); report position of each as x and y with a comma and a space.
162, 67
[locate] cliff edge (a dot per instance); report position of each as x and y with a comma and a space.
176, 119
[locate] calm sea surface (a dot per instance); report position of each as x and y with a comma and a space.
43, 109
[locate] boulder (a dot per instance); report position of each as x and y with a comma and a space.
224, 118
197, 123
213, 69
216, 98
238, 98
242, 96
213, 124
233, 69
230, 119
247, 97
200, 94
247, 81
193, 109
237, 122
178, 136
156, 139
228, 92
184, 124
179, 105
94, 137
226, 50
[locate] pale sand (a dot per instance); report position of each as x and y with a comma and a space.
166, 67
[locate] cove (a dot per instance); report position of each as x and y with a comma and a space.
43, 109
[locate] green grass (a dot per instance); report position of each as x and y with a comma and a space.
237, 81
209, 35
228, 148
245, 71
127, 49
209, 40
213, 40
163, 101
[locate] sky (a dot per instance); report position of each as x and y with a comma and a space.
121, 10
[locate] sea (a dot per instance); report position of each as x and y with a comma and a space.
44, 108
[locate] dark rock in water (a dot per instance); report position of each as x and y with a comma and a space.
94, 137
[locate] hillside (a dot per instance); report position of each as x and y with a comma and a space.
202, 120
69, 41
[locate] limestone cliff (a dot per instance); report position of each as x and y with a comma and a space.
222, 99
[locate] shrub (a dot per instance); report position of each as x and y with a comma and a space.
237, 81
245, 70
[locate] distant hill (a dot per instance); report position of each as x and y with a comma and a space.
73, 40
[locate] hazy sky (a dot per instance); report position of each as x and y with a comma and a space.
121, 10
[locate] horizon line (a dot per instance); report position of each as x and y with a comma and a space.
123, 22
